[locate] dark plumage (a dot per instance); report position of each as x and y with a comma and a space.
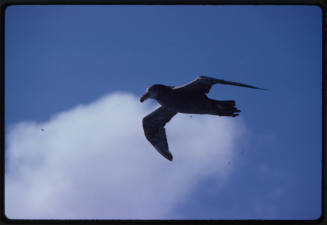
190, 98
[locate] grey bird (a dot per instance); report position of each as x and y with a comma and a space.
190, 98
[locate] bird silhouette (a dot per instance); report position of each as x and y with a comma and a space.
190, 98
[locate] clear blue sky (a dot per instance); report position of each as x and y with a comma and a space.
60, 56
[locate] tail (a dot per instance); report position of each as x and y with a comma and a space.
225, 108
230, 103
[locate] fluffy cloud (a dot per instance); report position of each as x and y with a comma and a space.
93, 162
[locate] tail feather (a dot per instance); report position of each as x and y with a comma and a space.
226, 108
230, 103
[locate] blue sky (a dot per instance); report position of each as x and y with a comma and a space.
58, 57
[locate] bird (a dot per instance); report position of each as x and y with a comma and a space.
190, 98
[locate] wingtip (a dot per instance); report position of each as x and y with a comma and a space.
166, 154
264, 89
169, 157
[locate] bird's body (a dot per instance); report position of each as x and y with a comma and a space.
184, 101
191, 99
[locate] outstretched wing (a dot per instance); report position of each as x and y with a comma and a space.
154, 130
203, 84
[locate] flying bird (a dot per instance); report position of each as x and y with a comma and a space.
190, 98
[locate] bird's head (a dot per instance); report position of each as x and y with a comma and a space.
154, 91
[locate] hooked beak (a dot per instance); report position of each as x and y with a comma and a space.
145, 96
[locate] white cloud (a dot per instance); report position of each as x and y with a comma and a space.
93, 162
